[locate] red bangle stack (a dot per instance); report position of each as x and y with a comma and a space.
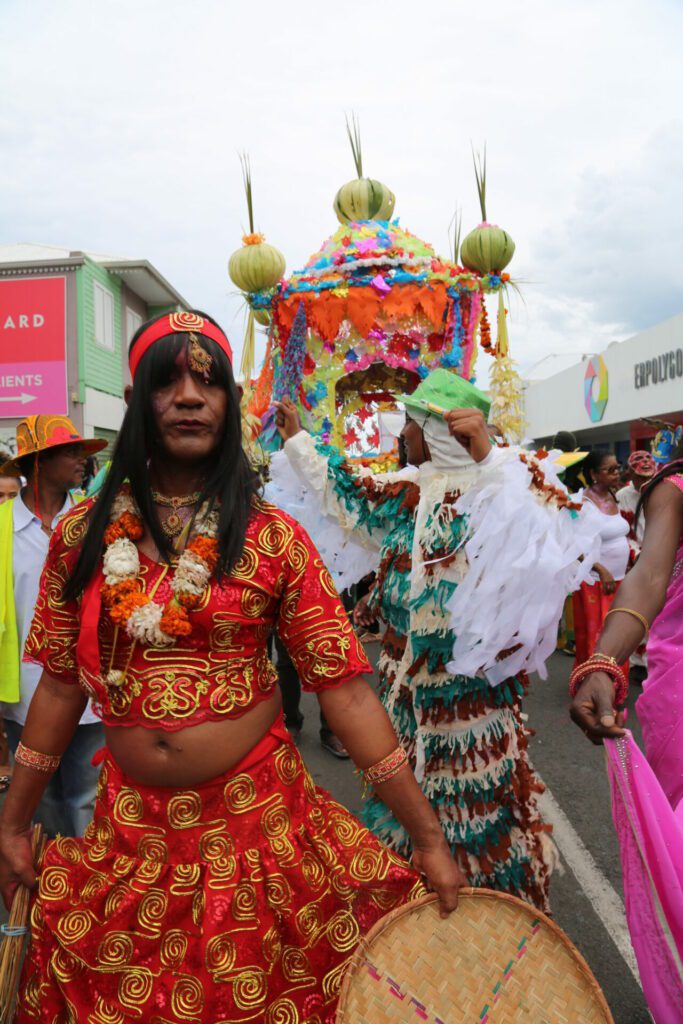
601, 663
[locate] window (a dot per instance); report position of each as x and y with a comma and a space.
104, 317
133, 322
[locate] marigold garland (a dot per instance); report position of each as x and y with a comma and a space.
122, 592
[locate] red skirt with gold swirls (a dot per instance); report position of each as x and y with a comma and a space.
237, 900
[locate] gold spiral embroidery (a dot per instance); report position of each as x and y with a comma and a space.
271, 944
54, 884
247, 564
185, 879
278, 892
366, 864
253, 861
220, 954
73, 925
198, 906
135, 987
184, 809
274, 538
148, 872
298, 556
97, 883
32, 995
275, 821
309, 921
347, 830
332, 982
240, 793
282, 1011
74, 526
327, 583
286, 765
128, 809
106, 1013
313, 871
187, 997
68, 849
116, 897
342, 931
153, 848
253, 603
115, 950
104, 837
324, 851
290, 604
122, 866
295, 965
216, 844
64, 966
249, 989
244, 902
284, 851
152, 910
173, 949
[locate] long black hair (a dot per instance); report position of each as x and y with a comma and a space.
230, 484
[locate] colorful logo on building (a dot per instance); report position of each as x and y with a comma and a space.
596, 388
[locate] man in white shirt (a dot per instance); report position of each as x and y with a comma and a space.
51, 456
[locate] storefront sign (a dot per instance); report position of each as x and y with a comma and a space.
596, 388
656, 371
33, 346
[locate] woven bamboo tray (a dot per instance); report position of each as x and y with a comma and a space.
496, 960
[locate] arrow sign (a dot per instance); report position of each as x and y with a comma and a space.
23, 398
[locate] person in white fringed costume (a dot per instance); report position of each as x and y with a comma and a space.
476, 548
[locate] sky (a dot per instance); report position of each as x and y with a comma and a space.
121, 125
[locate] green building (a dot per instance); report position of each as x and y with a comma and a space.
65, 322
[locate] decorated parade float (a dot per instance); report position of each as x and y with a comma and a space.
372, 312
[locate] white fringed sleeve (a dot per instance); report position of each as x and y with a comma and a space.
525, 555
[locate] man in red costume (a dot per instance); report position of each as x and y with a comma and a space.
216, 882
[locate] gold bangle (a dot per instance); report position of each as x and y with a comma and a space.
34, 759
636, 615
385, 769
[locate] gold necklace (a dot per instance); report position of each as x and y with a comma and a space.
174, 523
181, 502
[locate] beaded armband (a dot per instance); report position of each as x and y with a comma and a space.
385, 769
34, 759
601, 663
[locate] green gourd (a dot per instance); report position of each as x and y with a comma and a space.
488, 249
363, 198
257, 265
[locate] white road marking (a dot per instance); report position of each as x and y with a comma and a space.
604, 899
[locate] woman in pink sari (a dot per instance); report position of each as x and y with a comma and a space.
647, 791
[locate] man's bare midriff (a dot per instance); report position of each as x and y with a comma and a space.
190, 756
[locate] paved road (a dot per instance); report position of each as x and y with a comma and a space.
586, 899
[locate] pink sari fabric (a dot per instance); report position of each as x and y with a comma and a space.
647, 805
651, 844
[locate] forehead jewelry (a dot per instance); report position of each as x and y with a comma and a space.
200, 361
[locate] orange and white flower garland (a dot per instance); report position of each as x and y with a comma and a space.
122, 592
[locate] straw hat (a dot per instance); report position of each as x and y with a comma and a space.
496, 960
39, 433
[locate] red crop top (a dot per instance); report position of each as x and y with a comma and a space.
222, 668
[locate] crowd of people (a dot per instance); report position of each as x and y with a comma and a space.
153, 633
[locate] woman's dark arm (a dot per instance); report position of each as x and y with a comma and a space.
52, 719
643, 591
355, 714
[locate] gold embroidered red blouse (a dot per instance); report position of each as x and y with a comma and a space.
222, 668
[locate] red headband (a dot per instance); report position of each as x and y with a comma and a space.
174, 323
